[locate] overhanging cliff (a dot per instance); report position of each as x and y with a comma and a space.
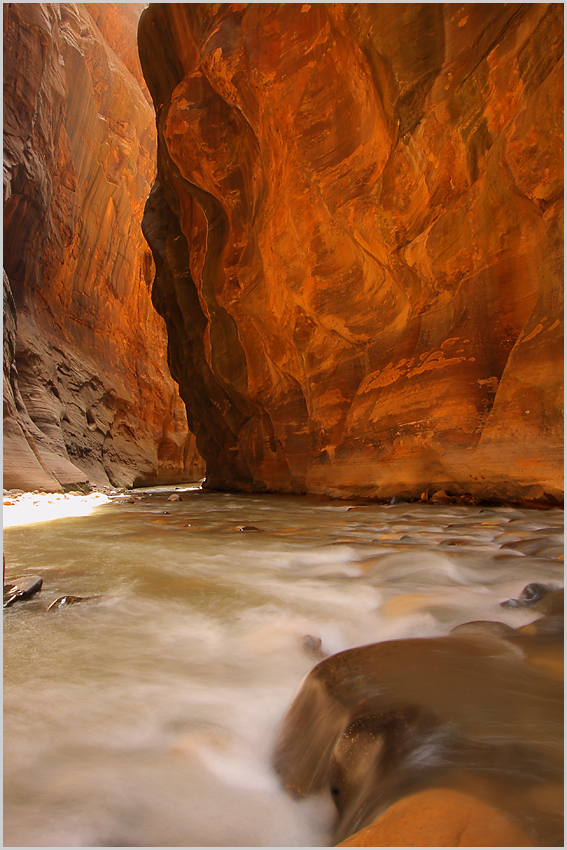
357, 231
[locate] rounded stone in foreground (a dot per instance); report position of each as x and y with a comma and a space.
439, 817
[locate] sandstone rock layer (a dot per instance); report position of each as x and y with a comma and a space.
356, 226
87, 392
440, 818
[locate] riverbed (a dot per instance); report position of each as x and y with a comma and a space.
146, 716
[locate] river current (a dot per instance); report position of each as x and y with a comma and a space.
147, 715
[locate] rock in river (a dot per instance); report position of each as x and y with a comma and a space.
21, 588
377, 722
440, 818
64, 601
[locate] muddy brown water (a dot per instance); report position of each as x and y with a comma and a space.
148, 716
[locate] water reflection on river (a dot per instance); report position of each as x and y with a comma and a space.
147, 717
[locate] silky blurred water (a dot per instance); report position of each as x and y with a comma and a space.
147, 717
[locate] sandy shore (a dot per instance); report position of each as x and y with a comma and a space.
26, 508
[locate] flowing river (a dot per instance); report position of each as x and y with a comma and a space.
147, 716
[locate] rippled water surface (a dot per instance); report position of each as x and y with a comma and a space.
147, 716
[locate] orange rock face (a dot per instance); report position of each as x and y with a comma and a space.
440, 818
88, 394
356, 225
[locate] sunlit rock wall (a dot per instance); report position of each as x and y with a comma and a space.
357, 229
87, 392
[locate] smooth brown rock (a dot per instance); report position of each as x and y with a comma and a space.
488, 627
479, 713
441, 498
440, 818
88, 397
552, 604
356, 225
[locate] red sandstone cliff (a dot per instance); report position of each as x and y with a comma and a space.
87, 392
357, 230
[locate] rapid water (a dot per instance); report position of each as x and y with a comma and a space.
147, 716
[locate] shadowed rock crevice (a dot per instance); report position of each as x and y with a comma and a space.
176, 299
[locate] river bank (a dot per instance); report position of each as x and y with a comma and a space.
147, 716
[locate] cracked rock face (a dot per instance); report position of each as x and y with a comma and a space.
356, 225
88, 397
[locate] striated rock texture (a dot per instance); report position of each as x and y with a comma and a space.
88, 396
356, 225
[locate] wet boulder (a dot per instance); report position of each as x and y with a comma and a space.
375, 723
440, 817
441, 498
21, 589
545, 627
550, 605
488, 627
533, 593
376, 761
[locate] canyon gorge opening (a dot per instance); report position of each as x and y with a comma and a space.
356, 231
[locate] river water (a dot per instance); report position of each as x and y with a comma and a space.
147, 716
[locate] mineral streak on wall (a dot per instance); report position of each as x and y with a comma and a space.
357, 230
87, 391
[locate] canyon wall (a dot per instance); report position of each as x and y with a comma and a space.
88, 397
357, 231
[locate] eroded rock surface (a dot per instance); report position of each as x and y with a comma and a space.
440, 818
356, 225
88, 397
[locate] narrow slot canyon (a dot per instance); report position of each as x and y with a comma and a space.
283, 424
88, 396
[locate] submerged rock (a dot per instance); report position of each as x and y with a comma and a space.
64, 601
313, 645
530, 546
